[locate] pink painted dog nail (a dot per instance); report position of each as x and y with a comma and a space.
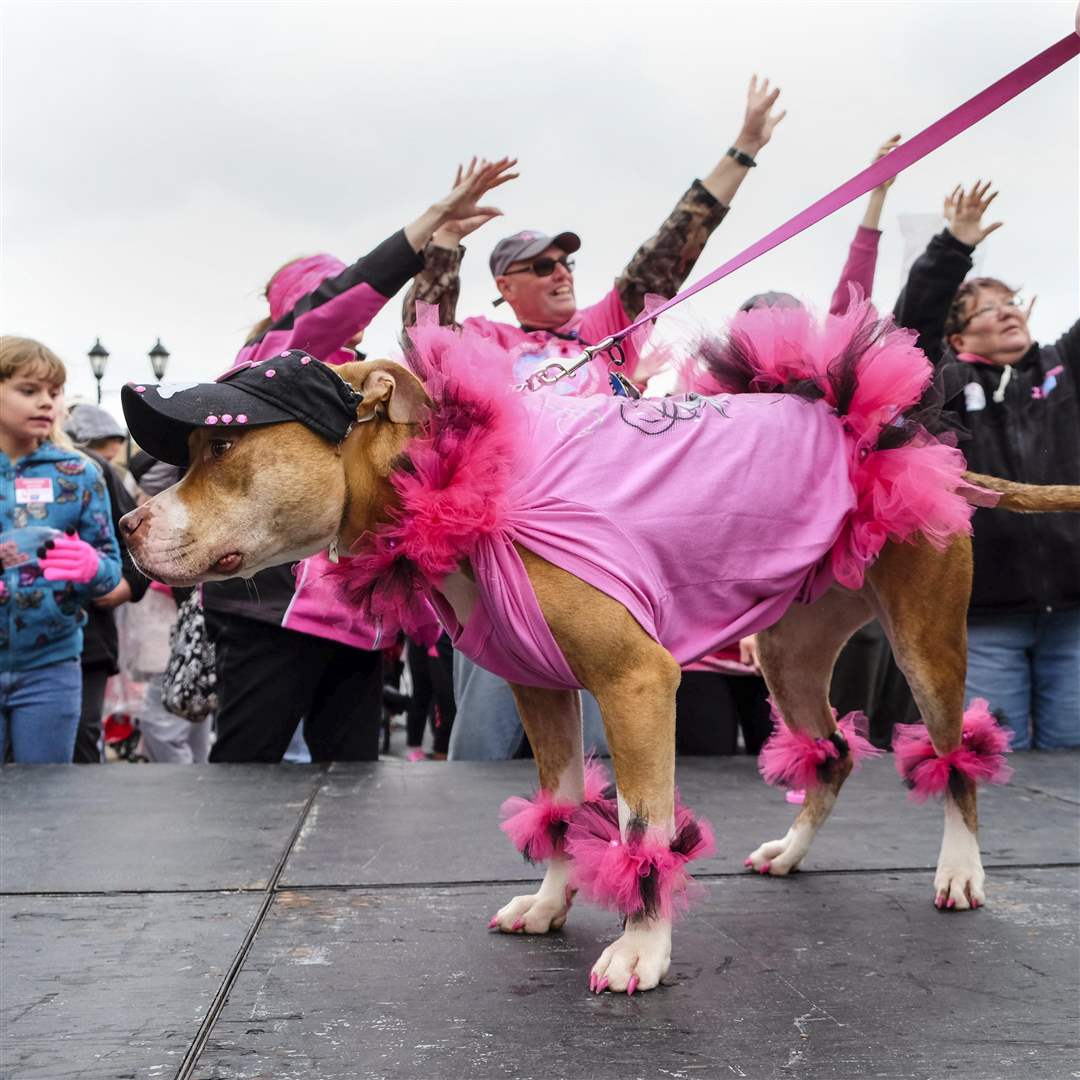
748, 862
764, 868
951, 903
602, 985
592, 982
939, 902
493, 922
518, 924
631, 986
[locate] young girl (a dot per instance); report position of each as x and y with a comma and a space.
58, 553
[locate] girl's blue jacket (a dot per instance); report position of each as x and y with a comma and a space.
41, 621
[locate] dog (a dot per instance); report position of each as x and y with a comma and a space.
367, 472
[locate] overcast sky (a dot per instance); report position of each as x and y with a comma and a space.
160, 160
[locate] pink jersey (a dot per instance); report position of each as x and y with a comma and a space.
706, 517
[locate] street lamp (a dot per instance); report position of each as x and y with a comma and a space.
159, 359
98, 356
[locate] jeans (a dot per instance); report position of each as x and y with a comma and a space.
39, 710
487, 726
1028, 669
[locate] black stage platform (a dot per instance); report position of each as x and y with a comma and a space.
296, 923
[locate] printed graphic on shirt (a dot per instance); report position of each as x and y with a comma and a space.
654, 416
71, 468
1049, 383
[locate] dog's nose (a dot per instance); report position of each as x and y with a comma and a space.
132, 521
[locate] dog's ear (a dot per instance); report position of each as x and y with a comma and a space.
394, 386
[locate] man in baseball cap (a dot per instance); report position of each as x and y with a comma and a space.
534, 273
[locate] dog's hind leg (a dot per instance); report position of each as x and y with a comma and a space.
922, 598
797, 656
552, 720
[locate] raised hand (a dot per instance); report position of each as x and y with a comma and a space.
68, 558
887, 147
760, 121
964, 212
463, 212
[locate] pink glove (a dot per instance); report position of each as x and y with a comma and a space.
69, 558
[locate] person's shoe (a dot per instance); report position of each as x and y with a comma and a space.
416, 754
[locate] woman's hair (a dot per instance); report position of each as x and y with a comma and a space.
266, 321
290, 283
27, 358
955, 320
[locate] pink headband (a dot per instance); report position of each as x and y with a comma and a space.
298, 278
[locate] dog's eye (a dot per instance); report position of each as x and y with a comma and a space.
219, 447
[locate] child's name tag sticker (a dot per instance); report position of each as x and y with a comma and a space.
974, 397
33, 489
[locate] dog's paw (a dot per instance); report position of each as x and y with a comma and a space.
959, 889
637, 961
535, 914
777, 857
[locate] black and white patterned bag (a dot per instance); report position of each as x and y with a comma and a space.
189, 685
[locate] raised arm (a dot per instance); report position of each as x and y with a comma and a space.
938, 272
862, 255
438, 281
665, 260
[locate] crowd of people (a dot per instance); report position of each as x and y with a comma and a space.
94, 657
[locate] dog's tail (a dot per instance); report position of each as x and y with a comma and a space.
1023, 498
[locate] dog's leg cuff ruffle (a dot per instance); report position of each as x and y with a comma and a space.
641, 876
797, 759
979, 759
537, 826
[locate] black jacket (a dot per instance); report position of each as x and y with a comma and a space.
100, 643
1025, 426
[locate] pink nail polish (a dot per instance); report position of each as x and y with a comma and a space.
748, 862
602, 985
631, 986
518, 924
939, 901
494, 922
765, 868
951, 903
592, 982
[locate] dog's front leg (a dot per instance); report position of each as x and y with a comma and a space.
537, 826
632, 857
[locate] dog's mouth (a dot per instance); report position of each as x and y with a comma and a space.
229, 563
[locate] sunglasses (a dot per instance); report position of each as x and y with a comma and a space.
544, 267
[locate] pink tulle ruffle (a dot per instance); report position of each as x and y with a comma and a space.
794, 759
453, 485
911, 490
980, 757
642, 877
537, 826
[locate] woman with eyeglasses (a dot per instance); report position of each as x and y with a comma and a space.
1019, 400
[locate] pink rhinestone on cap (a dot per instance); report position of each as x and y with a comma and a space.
270, 373
305, 359
284, 354
242, 418
139, 389
211, 420
226, 418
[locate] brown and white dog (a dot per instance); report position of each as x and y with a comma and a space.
261, 496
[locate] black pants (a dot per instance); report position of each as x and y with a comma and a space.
88, 737
710, 707
269, 679
433, 685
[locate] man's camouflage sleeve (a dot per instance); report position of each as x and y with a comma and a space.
439, 283
664, 261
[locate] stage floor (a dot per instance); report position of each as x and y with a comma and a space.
301, 923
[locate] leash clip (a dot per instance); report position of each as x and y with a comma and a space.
551, 373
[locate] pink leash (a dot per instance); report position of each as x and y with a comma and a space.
916, 148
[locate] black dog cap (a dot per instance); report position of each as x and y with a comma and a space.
292, 386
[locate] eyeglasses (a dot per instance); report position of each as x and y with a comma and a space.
1013, 306
545, 267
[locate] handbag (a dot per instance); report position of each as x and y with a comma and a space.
189, 685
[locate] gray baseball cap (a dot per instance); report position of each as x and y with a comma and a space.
86, 423
527, 244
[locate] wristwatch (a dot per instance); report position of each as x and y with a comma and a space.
741, 158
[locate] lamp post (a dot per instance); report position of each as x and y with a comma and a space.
159, 359
98, 356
